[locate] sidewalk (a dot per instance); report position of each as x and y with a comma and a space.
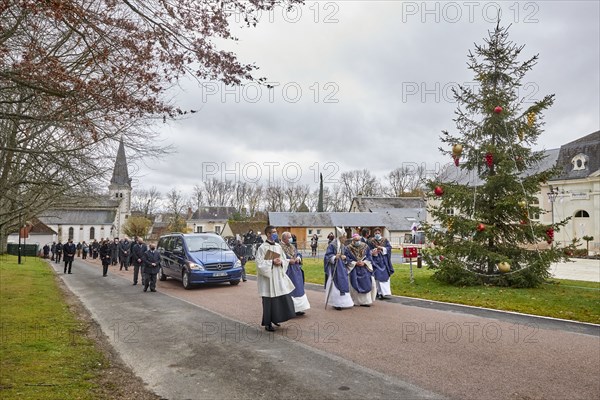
392, 350
579, 269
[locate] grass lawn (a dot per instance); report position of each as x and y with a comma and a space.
44, 353
574, 300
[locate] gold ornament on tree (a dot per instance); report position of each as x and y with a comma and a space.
504, 267
530, 118
456, 152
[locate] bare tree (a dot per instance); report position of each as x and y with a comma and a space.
240, 196
225, 191
400, 180
198, 196
275, 197
176, 206
255, 197
146, 201
358, 182
334, 199
77, 76
296, 195
218, 193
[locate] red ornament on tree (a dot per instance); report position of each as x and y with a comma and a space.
481, 227
489, 159
550, 235
438, 191
456, 161
498, 109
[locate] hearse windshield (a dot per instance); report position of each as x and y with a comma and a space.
204, 243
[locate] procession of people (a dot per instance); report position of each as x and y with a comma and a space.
357, 269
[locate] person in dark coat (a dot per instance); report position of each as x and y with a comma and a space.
314, 243
105, 256
240, 251
79, 249
69, 250
124, 254
95, 248
151, 268
59, 250
46, 250
53, 251
85, 249
114, 251
138, 250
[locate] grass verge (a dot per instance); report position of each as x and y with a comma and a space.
44, 351
559, 298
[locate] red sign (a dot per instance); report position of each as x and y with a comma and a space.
410, 252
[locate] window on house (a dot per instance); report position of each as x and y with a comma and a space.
71, 233
198, 229
318, 231
310, 231
535, 216
92, 233
582, 214
218, 229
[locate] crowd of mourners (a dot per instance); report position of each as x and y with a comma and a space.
144, 259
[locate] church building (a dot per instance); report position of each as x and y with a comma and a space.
102, 217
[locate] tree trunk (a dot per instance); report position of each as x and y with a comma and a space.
3, 240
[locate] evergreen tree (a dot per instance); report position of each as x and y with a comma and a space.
489, 238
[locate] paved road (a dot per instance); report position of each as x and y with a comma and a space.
206, 343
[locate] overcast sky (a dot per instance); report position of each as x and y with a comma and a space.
366, 84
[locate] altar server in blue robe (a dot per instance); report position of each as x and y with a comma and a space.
295, 273
381, 253
337, 288
362, 285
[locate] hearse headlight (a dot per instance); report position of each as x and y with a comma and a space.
195, 267
237, 264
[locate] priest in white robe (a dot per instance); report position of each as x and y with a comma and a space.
274, 286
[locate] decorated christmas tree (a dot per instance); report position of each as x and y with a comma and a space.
484, 206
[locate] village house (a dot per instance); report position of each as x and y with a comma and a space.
209, 219
574, 193
401, 216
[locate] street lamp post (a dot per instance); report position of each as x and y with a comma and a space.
552, 196
19, 249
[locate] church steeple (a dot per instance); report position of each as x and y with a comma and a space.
120, 175
120, 190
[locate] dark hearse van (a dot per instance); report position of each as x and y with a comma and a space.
197, 258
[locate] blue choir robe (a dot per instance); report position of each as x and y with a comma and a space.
337, 286
382, 262
296, 275
363, 289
